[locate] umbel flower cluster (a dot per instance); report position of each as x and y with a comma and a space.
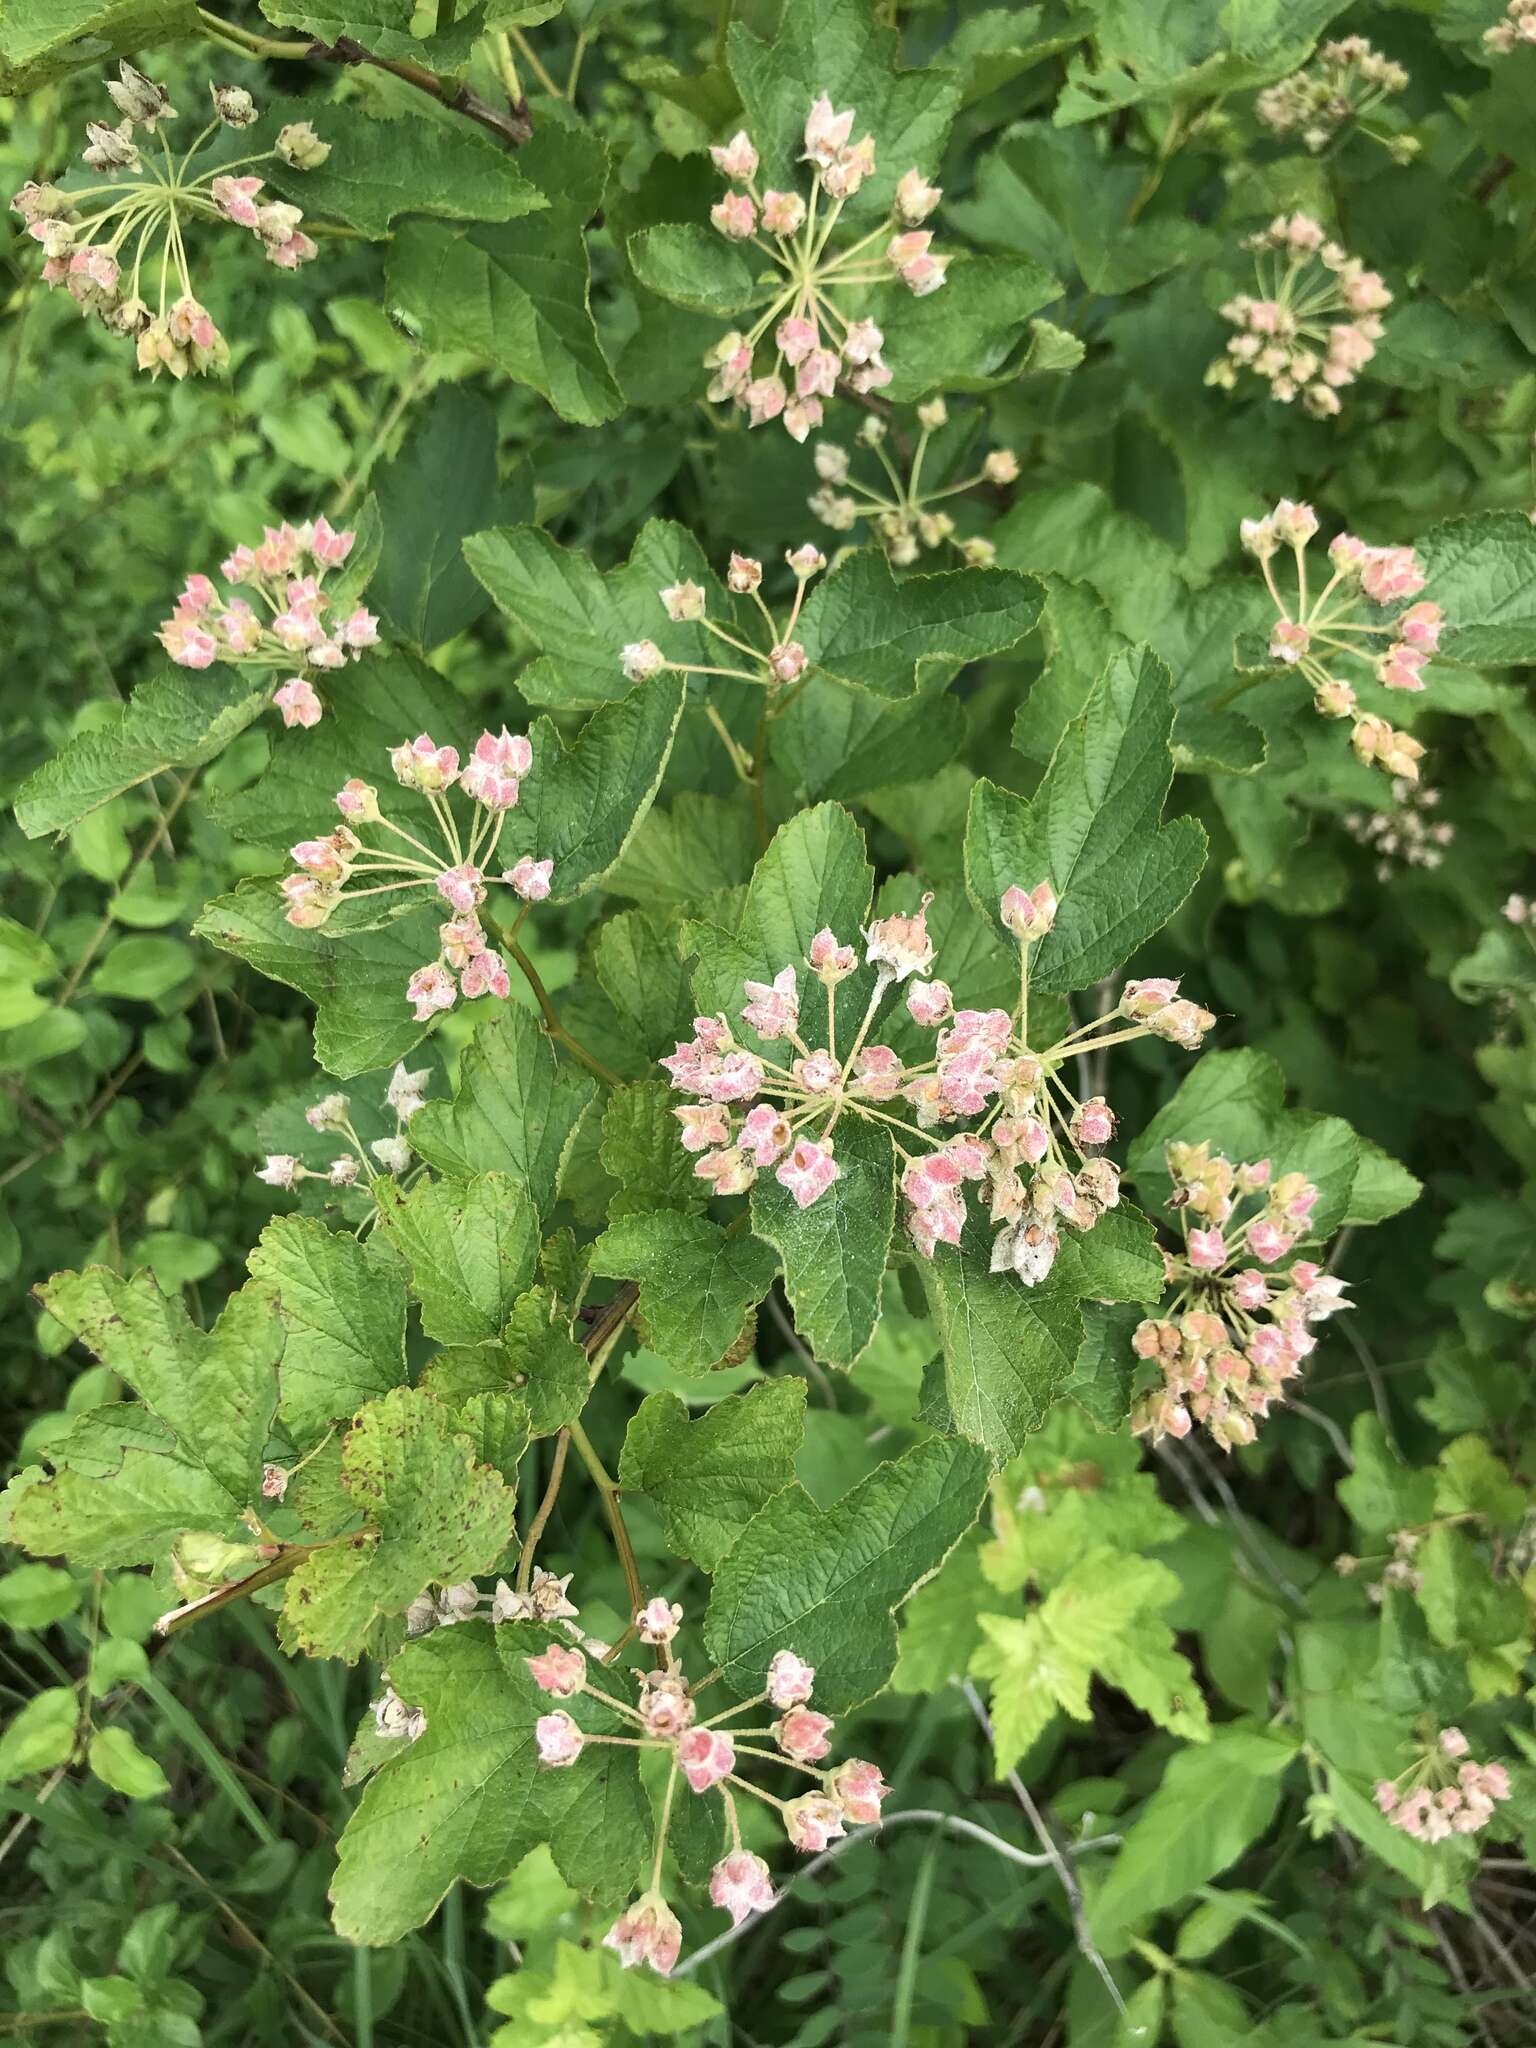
710, 1756
1408, 835
903, 518
113, 243
1518, 26
1362, 601
1035, 1151
285, 627
1342, 84
456, 867
1233, 1331
331, 1116
806, 317
1313, 323
1442, 1792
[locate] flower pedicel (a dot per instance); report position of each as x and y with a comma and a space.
1035, 1151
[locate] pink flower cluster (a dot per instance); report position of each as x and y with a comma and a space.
709, 1756
285, 627
151, 212
902, 516
456, 868
1345, 82
784, 659
1034, 1149
1445, 1794
405, 1094
1366, 598
1518, 26
815, 341
1234, 1330
1289, 334
1409, 835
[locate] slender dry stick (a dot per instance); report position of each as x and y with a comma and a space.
545, 1509
609, 1493
93, 946
552, 1023
237, 1589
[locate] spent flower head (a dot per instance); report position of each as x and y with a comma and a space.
1344, 82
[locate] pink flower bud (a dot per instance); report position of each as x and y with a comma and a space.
802, 1734
657, 1622
1029, 914
1333, 697
790, 1679
915, 198
859, 1789
530, 878
420, 765
431, 989
1207, 1250
773, 1010
1250, 1290
641, 659
343, 1171
787, 661
826, 132
806, 561
795, 337
1390, 573
862, 344
929, 1002
1398, 668
800, 415
647, 1932
1267, 1241
329, 547
297, 702
461, 888
745, 574
683, 601
705, 1756
736, 159
486, 975
740, 1884
783, 213
829, 959
1289, 640
734, 216
1094, 1122
559, 1671
765, 398
808, 1172
558, 1738
817, 375
812, 1821
280, 1171
1421, 625
899, 944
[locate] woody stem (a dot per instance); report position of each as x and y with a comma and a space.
609, 1494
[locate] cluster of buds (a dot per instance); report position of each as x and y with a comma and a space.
1347, 79
285, 627
1518, 26
782, 663
456, 867
330, 1116
815, 340
1234, 1329
1409, 835
86, 230
1034, 1148
1365, 599
1442, 1792
903, 520
394, 1720
1517, 909
1314, 323
1399, 1569
710, 1756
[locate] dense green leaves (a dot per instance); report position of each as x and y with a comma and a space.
1092, 831
697, 1281
343, 1309
834, 1252
826, 1582
867, 630
708, 1478
471, 1247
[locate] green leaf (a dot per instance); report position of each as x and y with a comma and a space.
1072, 1490
381, 26
535, 1358
47, 38
118, 1761
697, 1282
1008, 1350
441, 486
693, 266
1091, 829
640, 1150
839, 47
343, 1308
41, 1735
514, 1111
175, 720
970, 336
579, 617
582, 805
866, 630
518, 293
380, 169
471, 1245
355, 976
941, 1625
832, 742
834, 1252
1213, 1803
698, 843
638, 960
1483, 571
826, 1583
433, 1516
128, 1480
1381, 1493
468, 1800
708, 1478
36, 1595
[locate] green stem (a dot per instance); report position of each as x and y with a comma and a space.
552, 1023
609, 1493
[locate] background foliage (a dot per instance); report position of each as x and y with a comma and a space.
494, 373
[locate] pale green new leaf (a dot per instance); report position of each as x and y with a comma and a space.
697, 1282
129, 1480
707, 1478
826, 1582
471, 1246
467, 1800
866, 630
431, 1515
514, 1111
343, 1308
1092, 830
834, 1252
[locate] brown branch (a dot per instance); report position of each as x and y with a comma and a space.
514, 127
